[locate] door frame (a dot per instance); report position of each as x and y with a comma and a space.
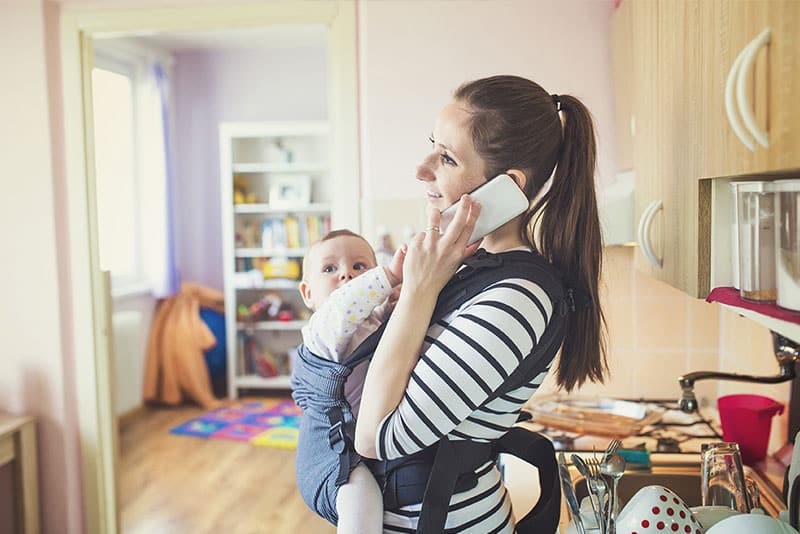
89, 304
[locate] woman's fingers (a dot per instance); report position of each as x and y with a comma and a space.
434, 220
463, 223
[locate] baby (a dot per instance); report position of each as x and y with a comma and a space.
350, 297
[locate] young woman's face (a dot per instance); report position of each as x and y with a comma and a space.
453, 167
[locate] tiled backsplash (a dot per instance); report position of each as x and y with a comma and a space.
657, 333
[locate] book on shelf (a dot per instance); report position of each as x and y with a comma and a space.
292, 231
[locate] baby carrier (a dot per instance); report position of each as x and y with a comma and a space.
325, 454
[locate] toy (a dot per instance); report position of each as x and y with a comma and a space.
241, 195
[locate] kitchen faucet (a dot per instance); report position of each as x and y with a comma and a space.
787, 352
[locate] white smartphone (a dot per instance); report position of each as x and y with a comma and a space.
501, 200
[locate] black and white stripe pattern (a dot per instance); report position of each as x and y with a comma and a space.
466, 357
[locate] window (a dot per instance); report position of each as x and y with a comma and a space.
117, 182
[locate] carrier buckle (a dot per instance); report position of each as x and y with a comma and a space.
336, 437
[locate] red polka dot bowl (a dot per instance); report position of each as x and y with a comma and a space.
657, 510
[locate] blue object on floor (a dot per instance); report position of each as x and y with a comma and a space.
215, 357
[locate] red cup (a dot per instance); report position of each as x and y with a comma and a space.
747, 420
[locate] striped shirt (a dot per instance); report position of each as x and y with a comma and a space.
466, 356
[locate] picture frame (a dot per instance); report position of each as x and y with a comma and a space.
290, 190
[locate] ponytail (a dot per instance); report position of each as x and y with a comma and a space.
516, 124
568, 228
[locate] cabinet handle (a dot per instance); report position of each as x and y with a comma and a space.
745, 108
645, 223
640, 231
730, 110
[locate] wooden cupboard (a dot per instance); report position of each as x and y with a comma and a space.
681, 56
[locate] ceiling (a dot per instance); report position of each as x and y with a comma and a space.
283, 36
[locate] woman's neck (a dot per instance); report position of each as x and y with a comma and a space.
505, 238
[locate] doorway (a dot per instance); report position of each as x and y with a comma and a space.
93, 335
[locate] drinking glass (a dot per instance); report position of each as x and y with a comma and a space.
723, 477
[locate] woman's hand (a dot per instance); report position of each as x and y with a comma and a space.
430, 261
433, 257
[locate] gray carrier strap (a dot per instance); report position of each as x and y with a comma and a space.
317, 383
340, 443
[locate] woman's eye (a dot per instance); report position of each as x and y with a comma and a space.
447, 160
430, 138
328, 269
360, 266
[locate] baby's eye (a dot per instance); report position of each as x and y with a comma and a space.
328, 268
447, 160
360, 266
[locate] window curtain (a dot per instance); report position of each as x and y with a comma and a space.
157, 182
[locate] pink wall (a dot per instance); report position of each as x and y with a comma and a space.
36, 374
230, 85
414, 54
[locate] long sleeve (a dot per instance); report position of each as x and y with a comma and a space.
330, 328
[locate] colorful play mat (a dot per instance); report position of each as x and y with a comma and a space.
269, 423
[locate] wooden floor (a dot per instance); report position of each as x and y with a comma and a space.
177, 484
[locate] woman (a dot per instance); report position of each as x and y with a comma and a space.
426, 382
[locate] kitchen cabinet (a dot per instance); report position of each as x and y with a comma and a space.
682, 54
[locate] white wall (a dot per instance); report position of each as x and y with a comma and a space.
413, 55
131, 322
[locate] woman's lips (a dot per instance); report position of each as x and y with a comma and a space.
433, 195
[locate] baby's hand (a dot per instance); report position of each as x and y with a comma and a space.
394, 272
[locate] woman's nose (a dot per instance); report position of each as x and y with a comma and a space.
425, 169
425, 173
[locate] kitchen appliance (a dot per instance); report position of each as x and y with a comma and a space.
735, 234
756, 241
787, 243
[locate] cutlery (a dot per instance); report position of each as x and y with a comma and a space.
613, 467
591, 484
600, 489
569, 493
613, 447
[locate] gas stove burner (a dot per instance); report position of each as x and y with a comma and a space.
664, 444
563, 442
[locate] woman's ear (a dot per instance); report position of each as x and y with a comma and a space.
519, 177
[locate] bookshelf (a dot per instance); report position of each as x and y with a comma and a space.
277, 199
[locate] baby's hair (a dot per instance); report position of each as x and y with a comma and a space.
341, 232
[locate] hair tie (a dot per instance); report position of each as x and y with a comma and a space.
557, 102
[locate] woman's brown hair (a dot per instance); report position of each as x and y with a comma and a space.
516, 124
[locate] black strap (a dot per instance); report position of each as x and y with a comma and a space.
536, 450
340, 442
452, 458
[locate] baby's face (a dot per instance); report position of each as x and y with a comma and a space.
330, 264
